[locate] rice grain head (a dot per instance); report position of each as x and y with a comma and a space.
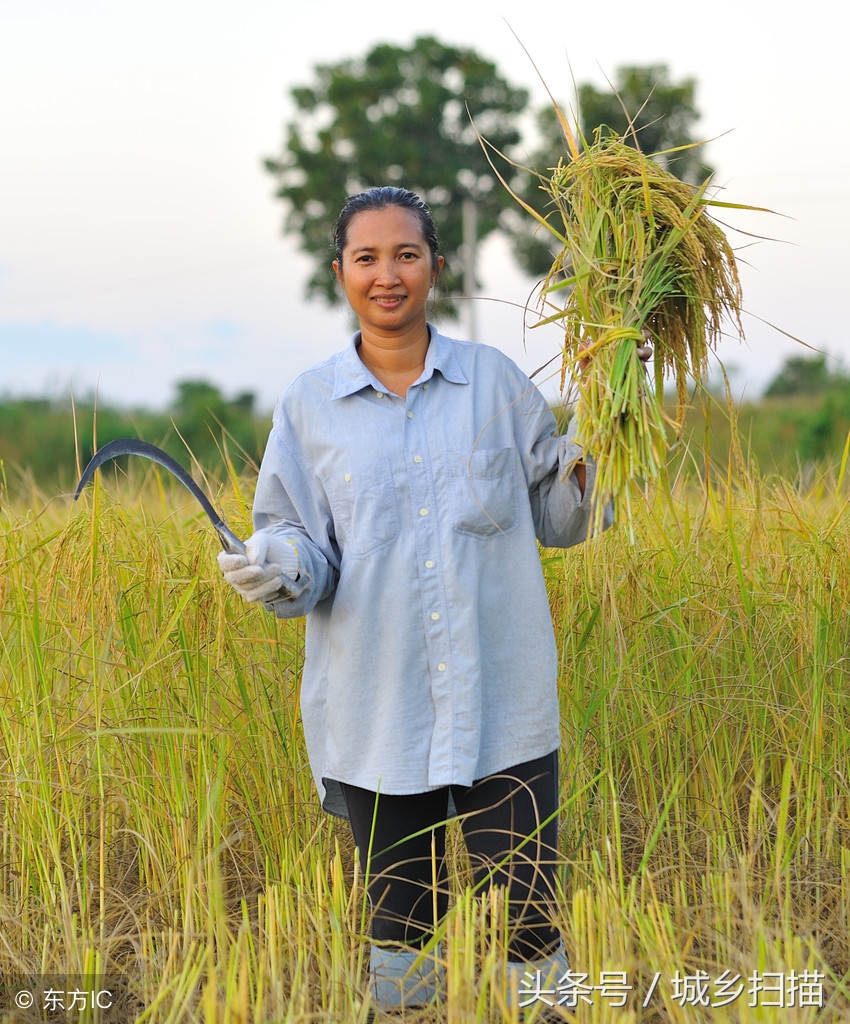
640, 259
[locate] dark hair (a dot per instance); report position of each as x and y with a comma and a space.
378, 199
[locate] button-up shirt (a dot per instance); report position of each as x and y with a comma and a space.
430, 655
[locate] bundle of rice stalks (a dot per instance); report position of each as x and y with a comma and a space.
640, 261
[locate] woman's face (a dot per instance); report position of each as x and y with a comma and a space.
387, 270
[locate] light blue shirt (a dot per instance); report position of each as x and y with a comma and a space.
430, 654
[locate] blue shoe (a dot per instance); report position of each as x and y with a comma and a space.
402, 978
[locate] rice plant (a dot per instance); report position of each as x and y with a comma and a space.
639, 260
158, 825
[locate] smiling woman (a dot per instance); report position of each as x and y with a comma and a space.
406, 484
387, 262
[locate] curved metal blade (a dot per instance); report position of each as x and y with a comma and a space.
132, 446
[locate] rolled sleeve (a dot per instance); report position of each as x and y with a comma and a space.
286, 504
563, 514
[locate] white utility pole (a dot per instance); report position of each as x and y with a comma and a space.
470, 251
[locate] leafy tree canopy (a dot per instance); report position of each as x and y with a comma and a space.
805, 375
650, 112
397, 117
646, 109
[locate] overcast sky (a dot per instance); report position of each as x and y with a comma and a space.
140, 242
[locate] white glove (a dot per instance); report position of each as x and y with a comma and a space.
268, 569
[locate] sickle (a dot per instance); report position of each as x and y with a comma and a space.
131, 446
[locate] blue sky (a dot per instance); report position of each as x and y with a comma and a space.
140, 243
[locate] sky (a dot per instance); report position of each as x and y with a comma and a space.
141, 243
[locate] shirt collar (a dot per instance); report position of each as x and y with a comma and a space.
352, 376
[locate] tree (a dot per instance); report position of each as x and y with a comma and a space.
650, 112
804, 375
644, 108
205, 419
397, 117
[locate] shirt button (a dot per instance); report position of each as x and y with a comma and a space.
347, 477
423, 511
425, 387
379, 394
417, 458
429, 564
435, 616
441, 667
409, 414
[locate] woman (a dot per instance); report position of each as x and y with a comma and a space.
404, 488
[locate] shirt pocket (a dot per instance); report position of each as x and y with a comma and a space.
364, 506
484, 494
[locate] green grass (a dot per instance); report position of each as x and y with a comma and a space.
157, 816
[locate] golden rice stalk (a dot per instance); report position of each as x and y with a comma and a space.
640, 260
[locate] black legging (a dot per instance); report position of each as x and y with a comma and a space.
510, 826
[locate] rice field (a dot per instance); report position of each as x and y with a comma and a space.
160, 838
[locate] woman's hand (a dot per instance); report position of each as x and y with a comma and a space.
644, 350
268, 569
